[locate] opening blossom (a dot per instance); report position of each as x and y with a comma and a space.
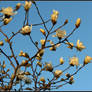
49, 67
74, 61
60, 34
80, 46
7, 11
26, 30
54, 16
7, 20
27, 5
87, 60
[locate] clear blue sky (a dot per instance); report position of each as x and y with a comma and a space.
67, 10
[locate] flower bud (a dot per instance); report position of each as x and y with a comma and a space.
21, 53
87, 60
53, 48
58, 73
42, 41
25, 55
54, 18
42, 79
12, 76
18, 6
43, 32
61, 60
24, 62
67, 75
71, 78
66, 21
8, 70
78, 22
39, 63
7, 20
4, 66
27, 5
55, 12
49, 67
1, 43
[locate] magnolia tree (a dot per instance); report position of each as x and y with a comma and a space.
27, 73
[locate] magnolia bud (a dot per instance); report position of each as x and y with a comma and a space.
1, 43
43, 32
18, 6
71, 78
7, 20
42, 79
78, 22
61, 60
87, 60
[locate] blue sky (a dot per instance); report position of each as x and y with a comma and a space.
67, 10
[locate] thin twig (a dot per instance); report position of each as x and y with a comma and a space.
41, 17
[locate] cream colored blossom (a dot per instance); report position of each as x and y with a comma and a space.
7, 20
74, 61
61, 60
54, 16
7, 11
80, 46
26, 30
78, 21
42, 79
27, 5
87, 59
58, 73
60, 34
1, 43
